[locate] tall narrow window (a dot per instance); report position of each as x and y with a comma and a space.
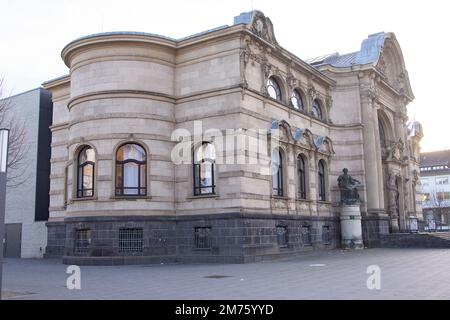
277, 173
204, 165
85, 177
317, 110
131, 170
301, 172
273, 88
296, 100
322, 186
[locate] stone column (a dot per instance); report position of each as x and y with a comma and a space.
378, 155
370, 144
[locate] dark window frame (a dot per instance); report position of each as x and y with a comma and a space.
197, 173
301, 175
131, 240
297, 96
142, 167
82, 241
279, 189
322, 181
272, 82
202, 238
83, 192
318, 108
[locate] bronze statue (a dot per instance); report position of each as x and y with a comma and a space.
348, 187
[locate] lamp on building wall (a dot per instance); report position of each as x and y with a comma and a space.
4, 141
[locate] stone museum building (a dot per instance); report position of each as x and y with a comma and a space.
133, 101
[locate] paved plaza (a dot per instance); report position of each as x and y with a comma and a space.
405, 274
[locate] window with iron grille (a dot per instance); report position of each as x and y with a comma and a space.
204, 166
82, 240
203, 238
282, 236
306, 235
326, 235
130, 240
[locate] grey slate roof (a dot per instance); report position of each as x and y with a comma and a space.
243, 18
369, 53
435, 158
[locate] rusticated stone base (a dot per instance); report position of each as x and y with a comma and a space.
373, 229
234, 238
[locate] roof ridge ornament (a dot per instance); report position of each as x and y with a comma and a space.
259, 24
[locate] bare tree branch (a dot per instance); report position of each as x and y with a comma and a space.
17, 141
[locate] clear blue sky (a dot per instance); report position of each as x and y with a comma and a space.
34, 32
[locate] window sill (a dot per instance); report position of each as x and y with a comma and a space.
280, 197
83, 199
131, 198
304, 200
323, 202
203, 196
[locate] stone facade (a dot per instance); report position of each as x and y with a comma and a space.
142, 88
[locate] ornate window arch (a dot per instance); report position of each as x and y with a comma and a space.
302, 171
322, 180
274, 89
204, 157
85, 172
278, 172
297, 100
317, 110
131, 170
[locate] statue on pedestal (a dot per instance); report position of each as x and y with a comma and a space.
348, 187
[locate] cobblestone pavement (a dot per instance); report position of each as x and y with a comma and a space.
405, 274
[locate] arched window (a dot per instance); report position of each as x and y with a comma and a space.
301, 173
86, 169
273, 88
277, 173
322, 182
297, 101
382, 133
204, 163
317, 110
131, 170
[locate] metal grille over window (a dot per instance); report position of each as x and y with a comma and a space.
306, 235
82, 240
282, 236
130, 240
203, 238
326, 235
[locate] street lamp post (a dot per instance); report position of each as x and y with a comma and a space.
4, 140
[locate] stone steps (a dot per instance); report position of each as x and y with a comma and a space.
416, 240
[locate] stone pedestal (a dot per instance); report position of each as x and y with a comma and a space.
351, 229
